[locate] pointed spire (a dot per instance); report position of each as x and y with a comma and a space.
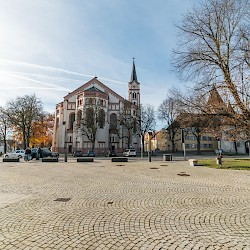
215, 103
133, 73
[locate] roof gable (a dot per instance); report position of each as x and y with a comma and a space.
91, 86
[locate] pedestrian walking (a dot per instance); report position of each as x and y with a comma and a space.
27, 154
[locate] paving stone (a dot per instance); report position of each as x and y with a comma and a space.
130, 207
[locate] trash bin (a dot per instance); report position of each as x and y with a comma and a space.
219, 160
167, 157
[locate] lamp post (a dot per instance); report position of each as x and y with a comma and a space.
183, 143
65, 143
149, 145
142, 147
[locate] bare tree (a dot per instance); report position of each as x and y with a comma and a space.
22, 112
91, 119
168, 112
5, 128
208, 48
146, 121
128, 119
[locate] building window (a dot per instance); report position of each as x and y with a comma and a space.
101, 144
113, 121
71, 120
206, 138
190, 138
79, 117
101, 118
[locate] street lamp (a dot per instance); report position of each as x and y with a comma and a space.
151, 135
183, 143
65, 143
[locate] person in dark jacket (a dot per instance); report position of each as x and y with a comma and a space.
27, 154
38, 155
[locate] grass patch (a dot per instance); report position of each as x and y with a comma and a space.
227, 163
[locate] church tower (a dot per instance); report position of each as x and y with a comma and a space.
134, 87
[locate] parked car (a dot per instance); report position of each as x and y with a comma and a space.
77, 153
33, 153
91, 153
45, 153
129, 152
55, 154
111, 153
15, 154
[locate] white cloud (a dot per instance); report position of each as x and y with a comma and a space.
52, 47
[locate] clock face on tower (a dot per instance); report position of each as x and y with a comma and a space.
134, 86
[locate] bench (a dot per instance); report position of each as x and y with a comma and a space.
11, 159
167, 157
193, 162
85, 159
50, 159
119, 159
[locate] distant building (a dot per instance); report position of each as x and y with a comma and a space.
111, 134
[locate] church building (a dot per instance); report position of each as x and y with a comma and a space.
94, 117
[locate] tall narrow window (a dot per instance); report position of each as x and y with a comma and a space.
71, 120
101, 118
113, 121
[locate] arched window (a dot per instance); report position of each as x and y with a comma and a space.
92, 101
134, 95
71, 120
101, 118
89, 119
113, 121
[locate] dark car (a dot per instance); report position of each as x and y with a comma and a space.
33, 153
91, 153
55, 154
77, 153
111, 153
45, 153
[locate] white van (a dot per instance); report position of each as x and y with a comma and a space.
129, 152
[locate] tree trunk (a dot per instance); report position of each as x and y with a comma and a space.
198, 144
24, 142
235, 147
143, 146
93, 144
4, 139
173, 146
129, 138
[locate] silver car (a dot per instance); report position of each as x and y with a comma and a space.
129, 152
15, 154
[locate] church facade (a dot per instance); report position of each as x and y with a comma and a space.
94, 117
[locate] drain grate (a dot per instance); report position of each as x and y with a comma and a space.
119, 165
62, 199
183, 174
153, 168
164, 165
110, 202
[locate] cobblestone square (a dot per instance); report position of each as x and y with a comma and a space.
123, 206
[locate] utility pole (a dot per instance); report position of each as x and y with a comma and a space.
65, 142
183, 143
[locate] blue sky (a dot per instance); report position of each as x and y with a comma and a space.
51, 47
